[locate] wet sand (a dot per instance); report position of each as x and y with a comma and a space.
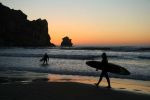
74, 88
137, 86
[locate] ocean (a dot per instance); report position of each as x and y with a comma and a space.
25, 62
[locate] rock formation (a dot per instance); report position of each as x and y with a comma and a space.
17, 30
66, 42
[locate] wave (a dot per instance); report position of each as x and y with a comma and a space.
79, 57
105, 48
112, 48
76, 57
64, 72
144, 57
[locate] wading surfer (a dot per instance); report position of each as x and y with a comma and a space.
45, 58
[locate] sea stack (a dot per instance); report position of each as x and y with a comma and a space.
17, 30
66, 42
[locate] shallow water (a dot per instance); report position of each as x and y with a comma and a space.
21, 61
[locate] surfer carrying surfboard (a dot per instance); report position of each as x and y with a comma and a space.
104, 72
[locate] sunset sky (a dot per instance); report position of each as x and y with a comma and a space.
91, 22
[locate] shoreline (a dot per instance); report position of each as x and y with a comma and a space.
127, 85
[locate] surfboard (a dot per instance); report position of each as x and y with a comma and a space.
110, 67
42, 59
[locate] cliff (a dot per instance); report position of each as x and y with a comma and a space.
17, 30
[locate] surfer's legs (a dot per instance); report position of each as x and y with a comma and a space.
108, 80
100, 79
45, 61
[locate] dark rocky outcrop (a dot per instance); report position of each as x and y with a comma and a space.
17, 30
66, 42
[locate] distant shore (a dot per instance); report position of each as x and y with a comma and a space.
71, 87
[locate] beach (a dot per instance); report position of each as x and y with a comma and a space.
56, 87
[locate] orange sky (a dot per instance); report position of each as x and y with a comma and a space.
105, 33
91, 22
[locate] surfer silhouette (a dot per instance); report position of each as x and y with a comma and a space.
104, 72
45, 58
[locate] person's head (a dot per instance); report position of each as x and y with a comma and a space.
104, 55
